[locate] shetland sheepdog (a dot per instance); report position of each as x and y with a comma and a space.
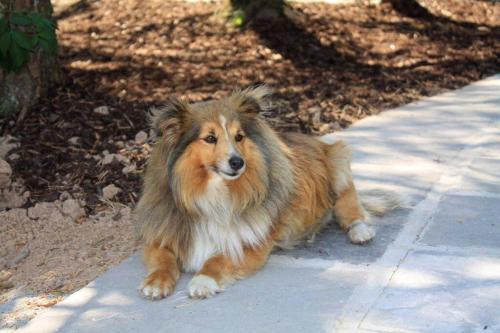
222, 189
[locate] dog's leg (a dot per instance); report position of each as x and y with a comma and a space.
163, 272
352, 217
348, 209
220, 270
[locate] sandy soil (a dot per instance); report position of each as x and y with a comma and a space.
50, 249
45, 254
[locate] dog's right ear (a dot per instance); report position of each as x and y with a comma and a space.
168, 121
251, 101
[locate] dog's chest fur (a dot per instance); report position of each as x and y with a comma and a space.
220, 230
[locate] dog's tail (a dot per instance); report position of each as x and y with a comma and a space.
376, 202
380, 202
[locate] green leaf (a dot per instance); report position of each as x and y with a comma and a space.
5, 63
46, 33
42, 22
48, 23
20, 19
34, 41
18, 56
45, 45
48, 42
5, 40
238, 18
4, 25
22, 39
53, 45
39, 22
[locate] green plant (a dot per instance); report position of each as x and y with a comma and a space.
22, 33
238, 18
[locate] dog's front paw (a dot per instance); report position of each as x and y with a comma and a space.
157, 285
361, 232
203, 286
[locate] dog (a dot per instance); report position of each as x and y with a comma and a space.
222, 189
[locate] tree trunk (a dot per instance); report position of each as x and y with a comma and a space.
254, 9
410, 8
20, 91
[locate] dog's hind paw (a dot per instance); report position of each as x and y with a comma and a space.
203, 286
361, 232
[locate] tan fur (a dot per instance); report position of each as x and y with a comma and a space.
195, 217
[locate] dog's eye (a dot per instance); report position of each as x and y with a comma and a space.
238, 137
210, 139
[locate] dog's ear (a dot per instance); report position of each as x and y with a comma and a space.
251, 101
168, 121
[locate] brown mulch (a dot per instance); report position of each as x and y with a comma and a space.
331, 65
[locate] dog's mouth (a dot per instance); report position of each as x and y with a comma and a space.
226, 175
229, 176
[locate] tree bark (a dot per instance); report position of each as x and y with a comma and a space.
410, 8
20, 91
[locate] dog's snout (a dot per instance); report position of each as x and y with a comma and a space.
236, 163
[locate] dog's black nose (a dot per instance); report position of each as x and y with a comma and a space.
236, 163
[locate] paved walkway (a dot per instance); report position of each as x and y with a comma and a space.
434, 266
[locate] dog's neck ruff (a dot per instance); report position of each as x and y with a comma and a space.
220, 230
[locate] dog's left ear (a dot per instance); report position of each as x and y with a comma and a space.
251, 101
169, 120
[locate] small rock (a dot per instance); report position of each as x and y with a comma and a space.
108, 159
126, 211
6, 285
129, 168
122, 159
315, 116
53, 117
7, 143
14, 157
56, 283
336, 127
146, 147
75, 141
102, 110
314, 109
5, 173
276, 56
64, 196
324, 128
37, 211
72, 208
112, 158
5, 275
110, 191
141, 137
119, 144
13, 196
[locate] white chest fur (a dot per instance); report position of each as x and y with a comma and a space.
220, 230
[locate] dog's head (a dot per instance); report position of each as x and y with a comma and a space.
219, 139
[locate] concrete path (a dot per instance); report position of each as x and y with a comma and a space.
434, 266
